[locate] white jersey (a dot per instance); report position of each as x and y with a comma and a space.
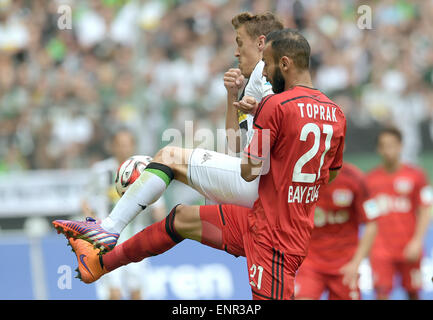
257, 87
217, 176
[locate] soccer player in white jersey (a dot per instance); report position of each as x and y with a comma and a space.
215, 175
240, 115
100, 197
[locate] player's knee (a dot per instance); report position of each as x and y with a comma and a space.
186, 215
172, 157
167, 156
187, 222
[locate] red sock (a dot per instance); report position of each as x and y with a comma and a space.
153, 240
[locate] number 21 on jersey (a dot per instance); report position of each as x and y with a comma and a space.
298, 175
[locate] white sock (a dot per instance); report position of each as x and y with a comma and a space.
143, 192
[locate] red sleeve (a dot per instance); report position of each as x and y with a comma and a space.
266, 127
337, 163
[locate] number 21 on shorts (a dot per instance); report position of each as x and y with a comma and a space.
259, 271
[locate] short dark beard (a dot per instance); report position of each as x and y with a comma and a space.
278, 81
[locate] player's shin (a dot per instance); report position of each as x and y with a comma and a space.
153, 240
147, 189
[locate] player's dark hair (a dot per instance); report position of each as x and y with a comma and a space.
290, 43
257, 24
392, 131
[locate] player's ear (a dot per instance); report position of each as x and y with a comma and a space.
285, 63
261, 41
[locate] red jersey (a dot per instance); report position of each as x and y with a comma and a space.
340, 210
299, 134
398, 195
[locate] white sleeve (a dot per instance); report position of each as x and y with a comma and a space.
258, 87
267, 88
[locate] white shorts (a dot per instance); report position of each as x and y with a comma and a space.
217, 177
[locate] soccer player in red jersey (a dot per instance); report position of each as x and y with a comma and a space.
404, 198
335, 252
297, 147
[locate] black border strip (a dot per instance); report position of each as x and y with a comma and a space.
222, 215
273, 273
282, 275
162, 167
169, 226
278, 274
277, 292
300, 85
253, 156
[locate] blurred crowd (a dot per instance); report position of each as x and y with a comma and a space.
153, 64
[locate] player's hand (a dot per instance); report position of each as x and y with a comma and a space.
350, 274
247, 105
413, 250
233, 81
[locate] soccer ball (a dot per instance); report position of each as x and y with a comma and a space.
129, 171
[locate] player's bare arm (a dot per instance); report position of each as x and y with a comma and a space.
413, 249
250, 168
350, 270
247, 104
233, 82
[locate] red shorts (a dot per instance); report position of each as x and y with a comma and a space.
311, 284
271, 272
385, 269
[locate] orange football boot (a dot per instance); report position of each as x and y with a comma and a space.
90, 266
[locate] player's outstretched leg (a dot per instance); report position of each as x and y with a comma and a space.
168, 163
183, 222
